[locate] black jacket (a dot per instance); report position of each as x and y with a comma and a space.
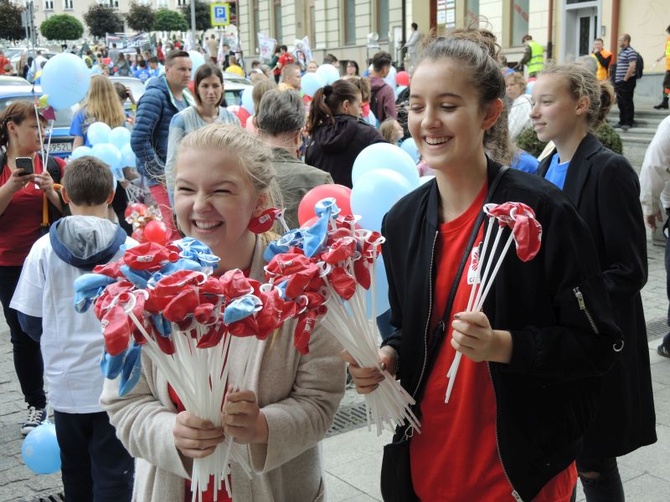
606, 191
555, 306
333, 148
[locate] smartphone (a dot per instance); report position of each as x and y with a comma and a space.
26, 163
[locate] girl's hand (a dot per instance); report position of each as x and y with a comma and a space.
195, 437
368, 379
473, 336
243, 419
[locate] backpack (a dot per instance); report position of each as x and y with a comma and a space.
639, 65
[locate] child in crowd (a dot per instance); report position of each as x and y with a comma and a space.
94, 463
224, 180
528, 385
391, 130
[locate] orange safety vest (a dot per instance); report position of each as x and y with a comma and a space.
602, 73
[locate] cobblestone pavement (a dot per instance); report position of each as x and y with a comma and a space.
17, 483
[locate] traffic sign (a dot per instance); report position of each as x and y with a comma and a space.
220, 13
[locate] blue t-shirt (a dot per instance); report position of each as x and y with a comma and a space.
557, 172
80, 124
143, 74
525, 162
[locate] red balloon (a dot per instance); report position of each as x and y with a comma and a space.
156, 231
402, 78
340, 193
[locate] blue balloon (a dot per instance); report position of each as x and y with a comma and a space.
119, 137
248, 100
385, 156
197, 60
109, 154
310, 83
98, 133
399, 89
328, 73
381, 285
409, 145
40, 450
80, 151
65, 78
375, 193
128, 156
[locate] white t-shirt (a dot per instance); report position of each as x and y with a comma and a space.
71, 343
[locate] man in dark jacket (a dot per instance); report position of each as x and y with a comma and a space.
382, 102
165, 96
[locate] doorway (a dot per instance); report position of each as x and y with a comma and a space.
580, 29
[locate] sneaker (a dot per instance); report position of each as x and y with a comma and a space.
625, 128
35, 417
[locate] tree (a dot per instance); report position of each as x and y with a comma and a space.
141, 17
10, 21
62, 27
102, 19
203, 18
170, 20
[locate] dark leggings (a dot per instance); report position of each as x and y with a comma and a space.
607, 487
27, 354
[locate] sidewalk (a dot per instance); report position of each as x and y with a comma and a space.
353, 458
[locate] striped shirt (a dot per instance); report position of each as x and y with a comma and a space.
626, 57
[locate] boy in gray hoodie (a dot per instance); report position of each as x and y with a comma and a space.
95, 465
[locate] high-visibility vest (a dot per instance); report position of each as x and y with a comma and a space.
667, 54
602, 73
536, 62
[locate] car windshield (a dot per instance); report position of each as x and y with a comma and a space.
63, 117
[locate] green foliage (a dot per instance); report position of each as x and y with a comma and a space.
203, 18
62, 27
102, 19
170, 20
10, 21
527, 140
610, 138
141, 17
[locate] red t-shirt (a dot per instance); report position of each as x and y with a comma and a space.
284, 59
456, 457
20, 222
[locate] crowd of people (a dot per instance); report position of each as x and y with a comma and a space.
555, 383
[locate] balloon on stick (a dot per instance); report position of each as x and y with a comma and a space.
385, 156
98, 133
119, 137
328, 73
375, 193
310, 83
65, 78
109, 154
248, 100
409, 145
340, 193
80, 151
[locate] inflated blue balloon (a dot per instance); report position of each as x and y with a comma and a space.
98, 133
119, 137
310, 83
128, 156
385, 156
248, 100
40, 450
108, 153
80, 151
409, 145
65, 78
328, 73
197, 60
374, 194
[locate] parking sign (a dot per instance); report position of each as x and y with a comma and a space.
220, 13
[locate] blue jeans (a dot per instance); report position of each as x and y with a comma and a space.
607, 487
94, 464
26, 351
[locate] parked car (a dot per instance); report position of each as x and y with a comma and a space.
134, 84
61, 140
8, 81
233, 87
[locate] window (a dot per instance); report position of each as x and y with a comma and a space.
349, 22
519, 21
472, 13
383, 19
162, 4
68, 4
48, 5
279, 34
181, 3
257, 23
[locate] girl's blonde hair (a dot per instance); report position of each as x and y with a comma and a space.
236, 143
583, 83
516, 78
102, 102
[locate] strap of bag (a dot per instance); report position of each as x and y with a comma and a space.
45, 210
439, 332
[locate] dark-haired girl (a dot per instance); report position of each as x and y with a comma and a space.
338, 133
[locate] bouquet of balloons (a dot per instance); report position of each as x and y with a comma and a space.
326, 268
